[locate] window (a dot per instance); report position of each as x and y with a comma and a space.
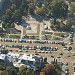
23, 61
74, 69
37, 62
30, 62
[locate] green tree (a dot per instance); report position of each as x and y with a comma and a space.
8, 71
31, 8
22, 70
24, 2
72, 9
9, 12
13, 7
35, 1
29, 72
3, 24
17, 17
49, 69
12, 1
1, 73
71, 1
1, 67
58, 8
12, 25
40, 11
6, 18
16, 2
68, 25
45, 60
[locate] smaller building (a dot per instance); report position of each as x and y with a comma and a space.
3, 59
30, 61
46, 27
13, 57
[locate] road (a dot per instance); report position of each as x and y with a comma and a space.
64, 57
71, 68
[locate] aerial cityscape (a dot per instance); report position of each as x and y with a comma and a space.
37, 37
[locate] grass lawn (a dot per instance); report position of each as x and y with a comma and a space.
49, 37
49, 33
65, 34
57, 38
6, 36
43, 32
14, 36
46, 37
57, 34
43, 37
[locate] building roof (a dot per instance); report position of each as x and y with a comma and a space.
2, 56
27, 57
13, 54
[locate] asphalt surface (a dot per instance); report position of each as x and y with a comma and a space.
63, 58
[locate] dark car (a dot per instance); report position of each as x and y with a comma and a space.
61, 53
70, 48
66, 69
66, 73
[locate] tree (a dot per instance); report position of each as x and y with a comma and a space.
17, 17
49, 69
16, 2
6, 18
12, 1
22, 70
1, 73
1, 67
45, 60
23, 10
29, 72
68, 24
35, 1
40, 11
13, 7
58, 8
70, 1
8, 71
31, 8
42, 73
24, 2
72, 9
12, 25
9, 12
62, 26
3, 24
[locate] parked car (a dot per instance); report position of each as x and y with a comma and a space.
66, 73
61, 53
73, 53
66, 68
65, 48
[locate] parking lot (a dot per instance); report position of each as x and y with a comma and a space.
45, 49
63, 51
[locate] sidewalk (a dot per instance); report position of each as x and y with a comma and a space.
19, 27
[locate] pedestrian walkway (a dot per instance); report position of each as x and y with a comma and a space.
52, 36
19, 27
40, 35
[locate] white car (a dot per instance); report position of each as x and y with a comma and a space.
73, 53
20, 50
65, 48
